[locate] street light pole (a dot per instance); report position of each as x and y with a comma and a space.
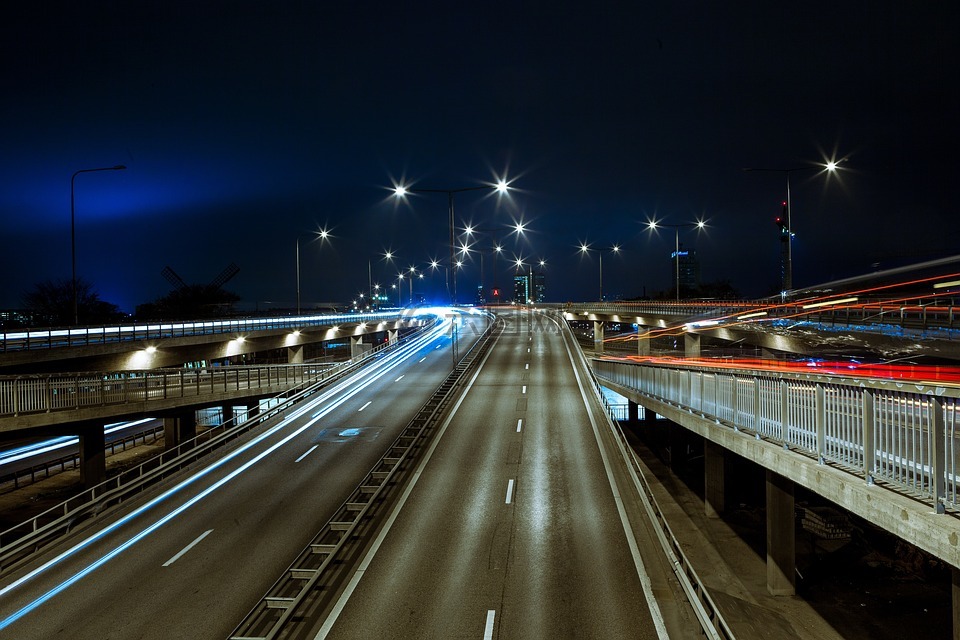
73, 235
585, 248
829, 167
653, 225
323, 234
400, 191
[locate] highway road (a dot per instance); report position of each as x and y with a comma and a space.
190, 558
512, 529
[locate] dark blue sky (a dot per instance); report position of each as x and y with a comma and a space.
246, 124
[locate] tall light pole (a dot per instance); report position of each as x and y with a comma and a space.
73, 233
585, 249
830, 167
400, 191
323, 234
653, 225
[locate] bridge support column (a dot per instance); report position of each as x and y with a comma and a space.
781, 540
691, 345
295, 354
392, 336
678, 446
956, 603
179, 428
598, 336
93, 457
226, 413
356, 347
633, 414
643, 341
714, 483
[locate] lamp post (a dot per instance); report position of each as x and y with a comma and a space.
585, 249
830, 167
323, 234
400, 191
653, 225
73, 234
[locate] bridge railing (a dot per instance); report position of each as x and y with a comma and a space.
45, 393
909, 439
932, 315
84, 336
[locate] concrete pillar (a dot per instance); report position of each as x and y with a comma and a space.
295, 354
649, 417
643, 341
956, 603
781, 542
93, 458
179, 428
356, 349
598, 336
633, 414
713, 479
691, 345
678, 446
226, 413
253, 409
392, 336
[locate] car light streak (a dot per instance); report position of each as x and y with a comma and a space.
348, 388
39, 448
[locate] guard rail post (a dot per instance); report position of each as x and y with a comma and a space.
869, 435
938, 448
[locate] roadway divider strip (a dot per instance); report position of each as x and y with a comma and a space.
316, 577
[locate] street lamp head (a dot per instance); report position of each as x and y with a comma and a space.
584, 247
652, 225
701, 224
502, 186
831, 166
615, 248
400, 191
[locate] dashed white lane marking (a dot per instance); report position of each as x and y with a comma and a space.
510, 491
364, 406
188, 547
488, 628
308, 452
422, 359
524, 389
526, 366
399, 379
519, 424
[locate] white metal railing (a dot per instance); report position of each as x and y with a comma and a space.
907, 438
81, 336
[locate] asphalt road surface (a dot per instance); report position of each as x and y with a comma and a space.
190, 558
512, 529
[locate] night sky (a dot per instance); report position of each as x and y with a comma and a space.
244, 125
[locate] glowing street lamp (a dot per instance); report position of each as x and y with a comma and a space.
699, 225
401, 191
321, 235
827, 167
73, 233
585, 249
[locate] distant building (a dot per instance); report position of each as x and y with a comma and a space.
688, 265
481, 298
539, 287
521, 288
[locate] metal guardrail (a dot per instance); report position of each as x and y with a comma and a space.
46, 393
20, 541
84, 336
324, 559
909, 439
933, 316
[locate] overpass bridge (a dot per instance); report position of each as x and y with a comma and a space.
882, 449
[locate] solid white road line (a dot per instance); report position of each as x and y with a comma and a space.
510, 491
488, 628
399, 379
308, 452
364, 406
519, 424
188, 547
